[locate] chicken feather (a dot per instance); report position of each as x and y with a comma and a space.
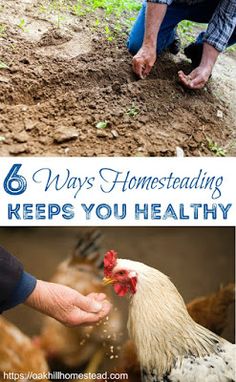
170, 345
73, 347
18, 354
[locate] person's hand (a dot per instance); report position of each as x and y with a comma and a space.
197, 79
67, 305
143, 61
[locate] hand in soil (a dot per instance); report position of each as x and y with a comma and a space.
68, 306
143, 61
197, 79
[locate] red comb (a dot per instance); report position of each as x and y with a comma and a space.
110, 260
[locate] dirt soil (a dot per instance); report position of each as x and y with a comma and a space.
61, 82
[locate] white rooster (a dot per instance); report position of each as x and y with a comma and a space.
171, 347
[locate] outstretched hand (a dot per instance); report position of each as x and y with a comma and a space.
67, 305
197, 79
143, 61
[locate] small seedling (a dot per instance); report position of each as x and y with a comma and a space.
42, 8
108, 33
215, 148
3, 65
22, 25
59, 20
133, 111
102, 125
97, 23
2, 30
78, 10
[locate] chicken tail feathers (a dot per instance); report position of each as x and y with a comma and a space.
88, 248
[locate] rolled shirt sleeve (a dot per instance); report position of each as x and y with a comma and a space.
221, 25
15, 284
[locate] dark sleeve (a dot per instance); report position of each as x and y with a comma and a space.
15, 284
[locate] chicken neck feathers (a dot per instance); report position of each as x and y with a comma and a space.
170, 345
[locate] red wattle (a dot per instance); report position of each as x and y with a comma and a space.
120, 289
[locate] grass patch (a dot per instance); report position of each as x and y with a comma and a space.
111, 8
186, 31
115, 16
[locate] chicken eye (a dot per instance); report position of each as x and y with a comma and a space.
121, 273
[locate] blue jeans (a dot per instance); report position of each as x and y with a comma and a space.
200, 13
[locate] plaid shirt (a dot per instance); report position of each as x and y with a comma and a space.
221, 25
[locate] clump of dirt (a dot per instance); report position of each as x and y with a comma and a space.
54, 38
66, 83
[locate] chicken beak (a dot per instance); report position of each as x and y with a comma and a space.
108, 281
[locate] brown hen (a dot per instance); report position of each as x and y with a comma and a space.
74, 348
212, 311
18, 354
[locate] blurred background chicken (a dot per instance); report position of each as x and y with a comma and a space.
212, 311
17, 352
84, 347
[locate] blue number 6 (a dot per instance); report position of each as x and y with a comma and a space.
15, 184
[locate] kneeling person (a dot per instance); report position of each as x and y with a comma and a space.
155, 31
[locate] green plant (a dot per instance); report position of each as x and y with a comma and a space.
59, 20
102, 125
185, 30
116, 15
22, 25
2, 30
215, 148
57, 9
108, 33
3, 65
231, 48
79, 9
97, 23
132, 111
